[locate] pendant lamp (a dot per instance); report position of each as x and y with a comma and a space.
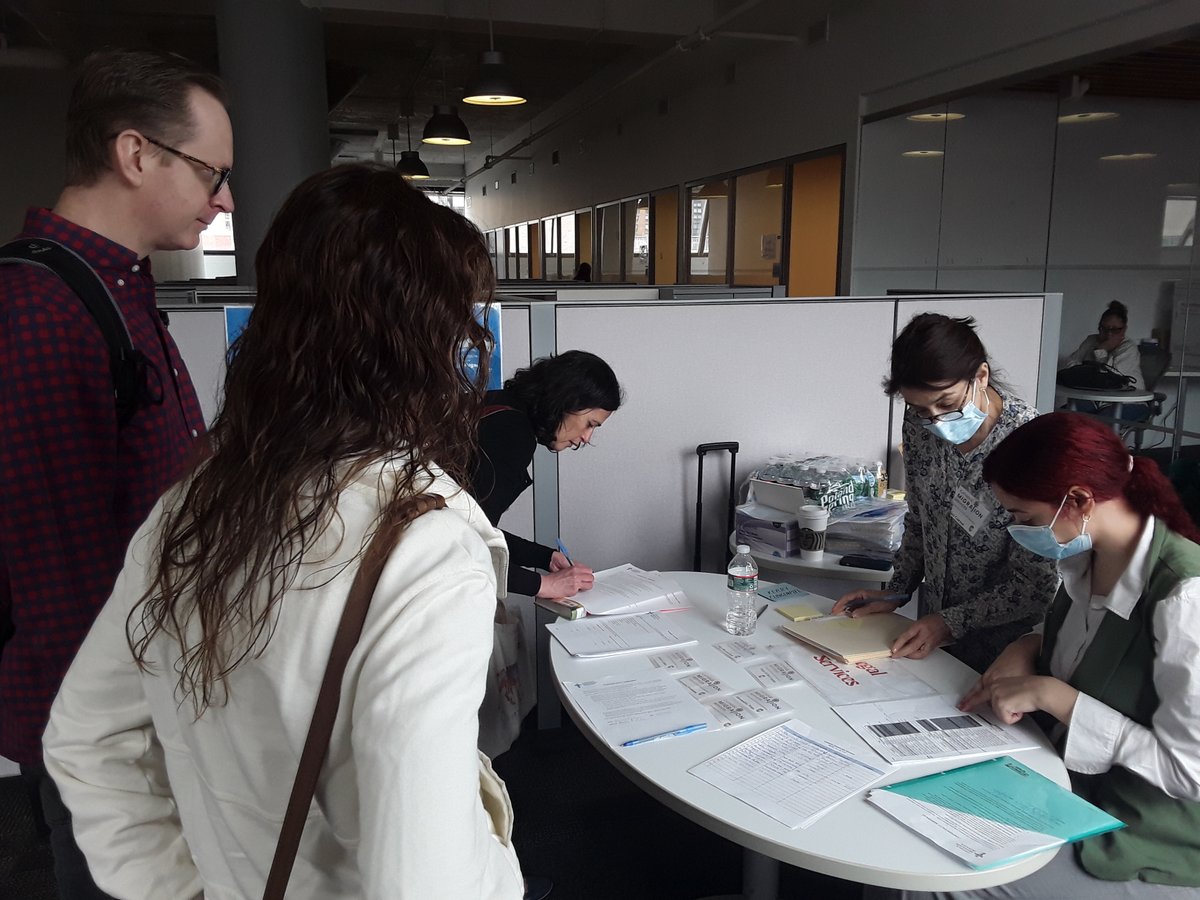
492, 84
410, 165
446, 128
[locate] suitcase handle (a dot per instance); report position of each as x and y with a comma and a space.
701, 450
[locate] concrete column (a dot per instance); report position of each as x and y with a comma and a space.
272, 55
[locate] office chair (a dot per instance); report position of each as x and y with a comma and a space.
1154, 360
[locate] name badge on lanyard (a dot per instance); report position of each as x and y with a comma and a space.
970, 511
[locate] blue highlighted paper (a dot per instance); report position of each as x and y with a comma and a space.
992, 812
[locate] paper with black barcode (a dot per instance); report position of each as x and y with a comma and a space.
925, 728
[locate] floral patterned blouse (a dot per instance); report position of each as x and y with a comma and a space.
988, 588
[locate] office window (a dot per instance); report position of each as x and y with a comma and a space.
216, 242
566, 239
708, 227
608, 264
550, 249
635, 226
1179, 221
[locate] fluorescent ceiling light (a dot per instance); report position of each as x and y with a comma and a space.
1086, 117
918, 153
937, 117
1127, 157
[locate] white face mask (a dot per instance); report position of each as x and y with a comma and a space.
960, 430
1040, 539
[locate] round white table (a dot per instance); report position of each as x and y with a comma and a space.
854, 841
1118, 399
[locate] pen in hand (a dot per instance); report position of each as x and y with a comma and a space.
562, 548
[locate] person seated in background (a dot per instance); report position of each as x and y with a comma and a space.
1115, 664
977, 591
177, 733
583, 273
1109, 346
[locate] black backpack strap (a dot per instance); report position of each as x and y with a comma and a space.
126, 363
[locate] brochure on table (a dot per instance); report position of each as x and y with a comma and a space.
992, 812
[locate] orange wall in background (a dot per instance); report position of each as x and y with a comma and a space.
664, 214
583, 239
816, 226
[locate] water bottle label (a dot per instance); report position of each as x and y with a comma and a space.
743, 582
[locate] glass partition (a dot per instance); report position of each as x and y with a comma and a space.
708, 232
608, 225
635, 240
566, 239
758, 227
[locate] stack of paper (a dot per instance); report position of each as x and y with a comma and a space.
618, 634
638, 708
992, 812
851, 640
628, 589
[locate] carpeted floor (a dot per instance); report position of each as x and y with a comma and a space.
578, 822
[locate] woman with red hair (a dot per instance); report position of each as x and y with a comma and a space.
1116, 661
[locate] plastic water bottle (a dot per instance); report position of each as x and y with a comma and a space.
742, 593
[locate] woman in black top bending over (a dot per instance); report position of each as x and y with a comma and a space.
557, 402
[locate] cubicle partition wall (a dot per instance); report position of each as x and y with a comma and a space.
774, 374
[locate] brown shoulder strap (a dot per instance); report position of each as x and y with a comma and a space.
317, 744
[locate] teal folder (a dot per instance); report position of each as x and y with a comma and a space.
993, 812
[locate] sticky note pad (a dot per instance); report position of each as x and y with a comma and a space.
799, 612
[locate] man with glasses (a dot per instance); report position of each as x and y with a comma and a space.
148, 157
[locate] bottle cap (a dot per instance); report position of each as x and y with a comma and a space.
743, 548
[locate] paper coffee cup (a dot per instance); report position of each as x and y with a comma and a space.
813, 520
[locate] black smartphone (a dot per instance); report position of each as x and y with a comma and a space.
862, 561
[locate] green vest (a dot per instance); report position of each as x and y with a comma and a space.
1161, 841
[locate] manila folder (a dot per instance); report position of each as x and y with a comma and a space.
851, 640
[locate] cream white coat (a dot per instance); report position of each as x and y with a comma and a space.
166, 805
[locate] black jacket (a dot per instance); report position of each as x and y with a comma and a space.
506, 445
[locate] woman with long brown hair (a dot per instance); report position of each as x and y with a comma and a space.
179, 727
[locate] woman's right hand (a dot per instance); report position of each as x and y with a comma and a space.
864, 603
1017, 660
566, 582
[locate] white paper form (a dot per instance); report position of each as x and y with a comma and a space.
861, 682
746, 706
930, 728
626, 708
789, 772
774, 673
614, 635
627, 589
673, 661
740, 650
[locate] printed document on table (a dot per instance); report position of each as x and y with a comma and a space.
790, 772
865, 681
930, 728
992, 812
626, 708
628, 589
614, 635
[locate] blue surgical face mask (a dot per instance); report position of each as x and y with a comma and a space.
1040, 539
959, 431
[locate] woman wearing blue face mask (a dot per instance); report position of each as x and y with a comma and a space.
1117, 660
978, 590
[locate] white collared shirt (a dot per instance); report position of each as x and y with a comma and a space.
1168, 754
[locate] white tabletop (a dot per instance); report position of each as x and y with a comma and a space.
1104, 396
854, 841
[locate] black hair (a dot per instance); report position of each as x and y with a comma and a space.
557, 385
1118, 309
934, 350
